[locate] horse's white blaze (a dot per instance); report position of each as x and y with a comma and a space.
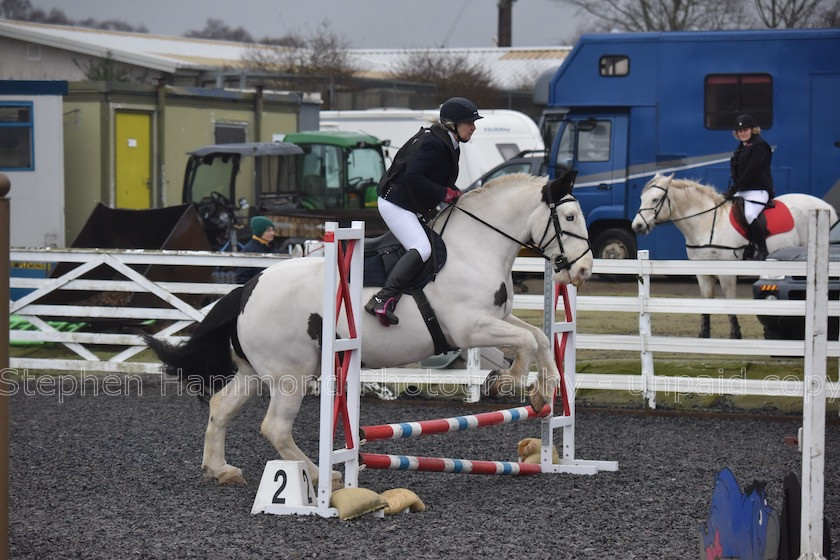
279, 326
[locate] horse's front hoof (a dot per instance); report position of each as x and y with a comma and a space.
336, 481
231, 478
228, 476
538, 402
492, 383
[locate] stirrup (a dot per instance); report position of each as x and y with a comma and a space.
383, 310
760, 255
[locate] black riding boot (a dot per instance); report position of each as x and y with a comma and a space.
384, 303
758, 236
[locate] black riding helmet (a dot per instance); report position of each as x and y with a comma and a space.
745, 121
457, 110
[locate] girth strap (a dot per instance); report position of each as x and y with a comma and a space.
441, 345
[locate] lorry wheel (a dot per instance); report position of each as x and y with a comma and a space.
614, 243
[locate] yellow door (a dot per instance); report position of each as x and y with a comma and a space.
133, 160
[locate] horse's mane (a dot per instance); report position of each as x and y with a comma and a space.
504, 181
497, 184
692, 190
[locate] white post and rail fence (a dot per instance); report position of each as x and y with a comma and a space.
99, 347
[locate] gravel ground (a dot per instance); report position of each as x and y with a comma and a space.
99, 476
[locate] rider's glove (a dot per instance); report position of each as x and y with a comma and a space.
451, 194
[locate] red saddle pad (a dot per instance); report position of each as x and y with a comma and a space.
779, 220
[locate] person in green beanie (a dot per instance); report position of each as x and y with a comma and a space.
262, 234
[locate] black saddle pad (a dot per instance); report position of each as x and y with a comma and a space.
383, 252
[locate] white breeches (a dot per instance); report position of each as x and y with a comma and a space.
406, 226
754, 202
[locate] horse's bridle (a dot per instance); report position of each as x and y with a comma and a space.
656, 209
561, 262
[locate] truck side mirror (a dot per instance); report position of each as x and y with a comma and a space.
587, 125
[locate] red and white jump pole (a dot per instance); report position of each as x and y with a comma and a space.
454, 424
439, 464
562, 337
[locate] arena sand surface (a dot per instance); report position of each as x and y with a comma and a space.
118, 476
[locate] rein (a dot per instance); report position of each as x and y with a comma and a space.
661, 203
561, 262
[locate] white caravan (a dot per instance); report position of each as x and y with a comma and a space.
499, 136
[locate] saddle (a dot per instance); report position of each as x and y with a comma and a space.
383, 252
777, 216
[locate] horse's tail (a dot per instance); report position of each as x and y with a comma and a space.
206, 356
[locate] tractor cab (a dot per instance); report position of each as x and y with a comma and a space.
339, 169
210, 182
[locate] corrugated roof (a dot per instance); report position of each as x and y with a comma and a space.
510, 67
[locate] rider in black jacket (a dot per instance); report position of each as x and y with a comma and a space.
752, 186
422, 176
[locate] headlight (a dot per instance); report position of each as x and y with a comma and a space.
771, 277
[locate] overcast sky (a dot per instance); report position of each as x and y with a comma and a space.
363, 23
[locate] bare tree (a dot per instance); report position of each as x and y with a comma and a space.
22, 10
218, 30
828, 16
663, 15
324, 52
317, 62
452, 74
105, 69
15, 9
786, 13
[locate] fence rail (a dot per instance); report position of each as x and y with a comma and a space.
179, 307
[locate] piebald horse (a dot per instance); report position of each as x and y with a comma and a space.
703, 217
267, 332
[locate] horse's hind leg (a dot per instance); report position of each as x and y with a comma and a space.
734, 327
705, 326
286, 397
707, 290
223, 406
729, 285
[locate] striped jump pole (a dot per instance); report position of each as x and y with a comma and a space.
455, 424
454, 466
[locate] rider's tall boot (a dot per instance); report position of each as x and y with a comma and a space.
384, 303
759, 237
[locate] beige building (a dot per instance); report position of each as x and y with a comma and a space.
126, 145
